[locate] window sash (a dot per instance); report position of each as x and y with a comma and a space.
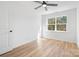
56, 23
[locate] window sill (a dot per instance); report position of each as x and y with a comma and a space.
56, 31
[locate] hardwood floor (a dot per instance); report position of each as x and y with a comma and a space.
45, 48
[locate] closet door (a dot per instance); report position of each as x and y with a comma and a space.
4, 32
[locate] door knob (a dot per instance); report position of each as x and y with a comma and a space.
10, 30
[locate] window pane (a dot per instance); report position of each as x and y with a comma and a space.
51, 21
62, 19
51, 27
61, 27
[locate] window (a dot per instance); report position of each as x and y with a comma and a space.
51, 24
57, 23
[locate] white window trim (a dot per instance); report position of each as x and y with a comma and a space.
56, 24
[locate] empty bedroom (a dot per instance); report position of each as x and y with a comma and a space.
39, 28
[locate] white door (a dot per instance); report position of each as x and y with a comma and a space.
4, 30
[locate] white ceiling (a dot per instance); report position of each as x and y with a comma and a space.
62, 5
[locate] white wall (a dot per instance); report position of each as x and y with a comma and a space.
70, 34
23, 20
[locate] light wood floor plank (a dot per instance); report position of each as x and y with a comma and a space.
45, 48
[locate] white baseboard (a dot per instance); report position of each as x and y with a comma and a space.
23, 43
9, 49
60, 39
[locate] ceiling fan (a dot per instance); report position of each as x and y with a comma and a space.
44, 4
